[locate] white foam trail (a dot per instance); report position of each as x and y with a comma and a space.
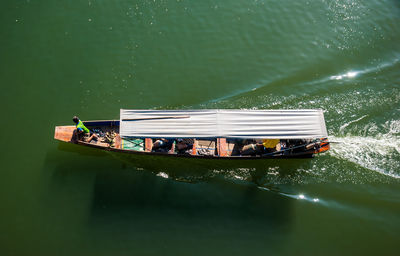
347, 124
377, 154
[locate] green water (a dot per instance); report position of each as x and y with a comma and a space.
91, 58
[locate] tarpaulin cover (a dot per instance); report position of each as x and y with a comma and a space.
223, 123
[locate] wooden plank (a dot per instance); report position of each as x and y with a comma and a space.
172, 150
64, 133
229, 148
207, 145
117, 141
194, 149
148, 144
222, 147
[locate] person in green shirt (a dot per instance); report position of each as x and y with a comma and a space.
82, 130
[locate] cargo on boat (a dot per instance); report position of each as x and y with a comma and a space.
209, 133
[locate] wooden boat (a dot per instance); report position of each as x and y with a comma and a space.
208, 134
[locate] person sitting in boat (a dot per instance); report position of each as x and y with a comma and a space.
251, 149
82, 131
162, 145
184, 146
261, 147
271, 145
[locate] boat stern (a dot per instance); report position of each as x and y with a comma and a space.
323, 146
64, 133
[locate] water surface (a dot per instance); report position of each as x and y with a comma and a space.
91, 58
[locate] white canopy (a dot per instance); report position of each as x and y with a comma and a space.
223, 123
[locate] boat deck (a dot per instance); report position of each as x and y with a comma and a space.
108, 138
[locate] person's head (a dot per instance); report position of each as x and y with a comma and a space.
75, 119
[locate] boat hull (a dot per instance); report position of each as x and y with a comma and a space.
68, 134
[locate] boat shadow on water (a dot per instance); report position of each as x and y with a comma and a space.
142, 194
217, 190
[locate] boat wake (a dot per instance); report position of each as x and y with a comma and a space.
295, 196
341, 129
380, 154
368, 70
302, 81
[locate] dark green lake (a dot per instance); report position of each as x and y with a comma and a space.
90, 58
